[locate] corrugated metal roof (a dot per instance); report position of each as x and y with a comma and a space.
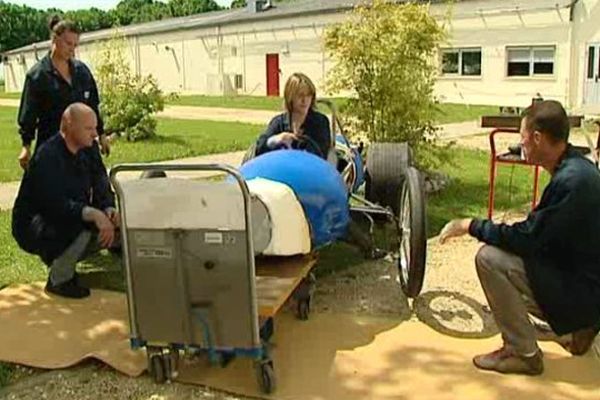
225, 17
215, 18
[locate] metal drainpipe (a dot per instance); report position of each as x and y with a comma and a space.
184, 80
571, 7
220, 50
573, 64
138, 61
244, 76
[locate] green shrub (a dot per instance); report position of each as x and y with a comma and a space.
128, 102
385, 55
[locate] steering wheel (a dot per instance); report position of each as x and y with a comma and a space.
310, 143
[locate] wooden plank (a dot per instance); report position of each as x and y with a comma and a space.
514, 121
285, 267
276, 279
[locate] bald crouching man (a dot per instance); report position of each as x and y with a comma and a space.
65, 209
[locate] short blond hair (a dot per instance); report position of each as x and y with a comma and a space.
295, 84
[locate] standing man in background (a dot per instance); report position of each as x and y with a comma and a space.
56, 81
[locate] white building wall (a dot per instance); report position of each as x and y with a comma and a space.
207, 60
586, 31
493, 31
16, 67
298, 41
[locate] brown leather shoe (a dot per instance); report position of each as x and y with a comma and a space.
507, 361
582, 341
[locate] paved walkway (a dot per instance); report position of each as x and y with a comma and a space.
261, 117
461, 129
9, 103
8, 190
200, 113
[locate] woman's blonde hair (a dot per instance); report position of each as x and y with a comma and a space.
297, 83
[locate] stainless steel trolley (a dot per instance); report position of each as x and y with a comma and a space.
192, 282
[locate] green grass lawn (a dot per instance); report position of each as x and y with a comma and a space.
186, 138
467, 195
9, 145
176, 139
450, 113
4, 95
244, 102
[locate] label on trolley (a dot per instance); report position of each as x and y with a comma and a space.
213, 238
150, 238
155, 252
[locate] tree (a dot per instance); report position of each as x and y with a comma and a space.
129, 101
21, 25
137, 11
384, 54
180, 8
90, 20
243, 3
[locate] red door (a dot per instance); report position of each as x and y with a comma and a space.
272, 74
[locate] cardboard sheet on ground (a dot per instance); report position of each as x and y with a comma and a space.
328, 357
49, 332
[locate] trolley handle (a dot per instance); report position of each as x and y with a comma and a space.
133, 167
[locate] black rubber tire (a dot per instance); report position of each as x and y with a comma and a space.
412, 191
385, 170
171, 363
157, 369
303, 309
266, 377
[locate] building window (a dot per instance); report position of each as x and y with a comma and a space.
464, 62
239, 81
591, 59
530, 61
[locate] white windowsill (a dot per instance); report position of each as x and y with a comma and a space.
459, 78
531, 78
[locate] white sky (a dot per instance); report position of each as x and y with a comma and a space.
76, 4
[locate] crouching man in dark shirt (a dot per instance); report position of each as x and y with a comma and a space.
64, 210
548, 265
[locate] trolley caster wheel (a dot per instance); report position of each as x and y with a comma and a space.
157, 369
171, 364
225, 359
303, 309
266, 377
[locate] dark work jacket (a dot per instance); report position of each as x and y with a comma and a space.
55, 188
46, 95
315, 126
560, 245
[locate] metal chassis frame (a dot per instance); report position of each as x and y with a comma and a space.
370, 209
